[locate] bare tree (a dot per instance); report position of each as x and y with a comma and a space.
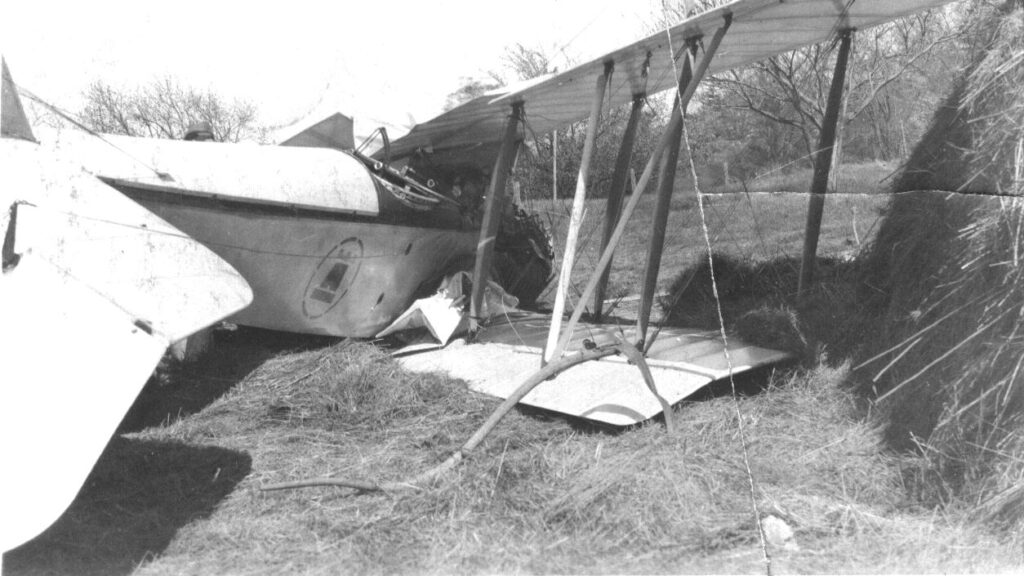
533, 169
518, 63
524, 63
890, 61
165, 108
896, 76
471, 89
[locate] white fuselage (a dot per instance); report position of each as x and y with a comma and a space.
323, 245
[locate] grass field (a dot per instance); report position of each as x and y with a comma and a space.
758, 225
177, 492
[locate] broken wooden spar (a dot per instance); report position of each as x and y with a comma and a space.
493, 207
613, 205
823, 163
676, 118
579, 199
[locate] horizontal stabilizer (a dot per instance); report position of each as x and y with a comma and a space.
93, 290
73, 363
125, 253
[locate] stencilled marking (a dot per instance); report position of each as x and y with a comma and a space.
328, 289
333, 277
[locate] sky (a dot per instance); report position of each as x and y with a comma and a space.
300, 60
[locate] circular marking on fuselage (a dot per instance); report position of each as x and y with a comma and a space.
332, 278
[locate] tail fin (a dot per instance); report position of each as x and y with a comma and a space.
13, 122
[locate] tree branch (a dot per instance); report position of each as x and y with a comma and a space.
553, 368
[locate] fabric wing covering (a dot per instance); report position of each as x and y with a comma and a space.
759, 29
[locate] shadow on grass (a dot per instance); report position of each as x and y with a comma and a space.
141, 492
749, 383
176, 390
136, 498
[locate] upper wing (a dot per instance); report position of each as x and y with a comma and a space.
93, 290
759, 29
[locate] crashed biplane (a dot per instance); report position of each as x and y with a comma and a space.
339, 242
729, 36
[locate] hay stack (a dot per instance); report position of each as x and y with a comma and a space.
944, 284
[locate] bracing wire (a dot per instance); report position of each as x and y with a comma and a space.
721, 320
728, 360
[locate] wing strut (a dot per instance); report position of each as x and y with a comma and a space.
822, 164
676, 118
666, 183
576, 219
616, 193
493, 208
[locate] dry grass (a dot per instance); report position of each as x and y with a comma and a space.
542, 495
943, 286
179, 493
759, 304
759, 226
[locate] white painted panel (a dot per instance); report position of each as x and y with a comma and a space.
72, 362
322, 276
309, 177
609, 390
604, 391
94, 234
93, 290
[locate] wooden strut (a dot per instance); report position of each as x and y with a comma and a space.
666, 184
627, 212
822, 165
534, 380
578, 204
554, 166
613, 205
493, 208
